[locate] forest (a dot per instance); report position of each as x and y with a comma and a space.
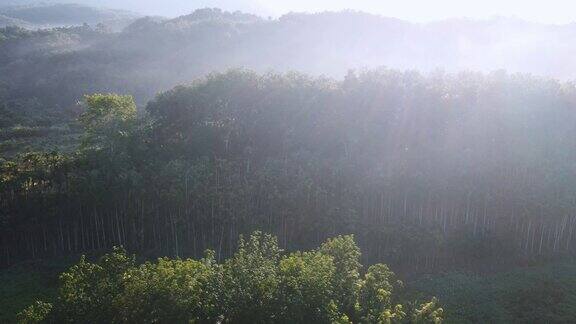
222, 167
56, 67
426, 171
49, 15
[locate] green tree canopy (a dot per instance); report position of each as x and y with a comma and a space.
108, 119
259, 284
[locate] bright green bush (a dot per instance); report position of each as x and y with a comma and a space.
257, 285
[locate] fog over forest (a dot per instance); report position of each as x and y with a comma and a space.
155, 54
272, 162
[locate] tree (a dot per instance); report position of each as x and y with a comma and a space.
377, 296
251, 280
305, 293
175, 291
346, 280
108, 120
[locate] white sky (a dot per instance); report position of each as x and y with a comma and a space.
548, 11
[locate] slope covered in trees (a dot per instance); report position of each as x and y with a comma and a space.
28, 122
45, 15
154, 55
6, 21
426, 171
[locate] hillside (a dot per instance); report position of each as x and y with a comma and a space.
53, 15
152, 55
6, 21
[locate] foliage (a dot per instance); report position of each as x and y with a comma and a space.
256, 285
306, 293
107, 119
426, 171
251, 280
346, 256
89, 290
58, 66
173, 291
429, 313
377, 296
35, 313
544, 293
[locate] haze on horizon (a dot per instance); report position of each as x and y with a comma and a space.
549, 12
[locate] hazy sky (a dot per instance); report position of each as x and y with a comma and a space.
550, 11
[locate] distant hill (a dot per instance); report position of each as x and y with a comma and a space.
51, 15
9, 21
58, 67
